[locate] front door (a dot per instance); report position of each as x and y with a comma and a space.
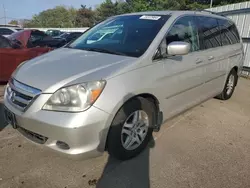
183, 74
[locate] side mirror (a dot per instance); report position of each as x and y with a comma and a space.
178, 48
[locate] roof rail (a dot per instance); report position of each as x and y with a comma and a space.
208, 11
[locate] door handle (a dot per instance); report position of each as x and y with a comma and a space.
210, 57
198, 61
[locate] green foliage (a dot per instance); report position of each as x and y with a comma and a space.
123, 8
106, 9
61, 16
14, 22
174, 4
85, 17
141, 5
195, 6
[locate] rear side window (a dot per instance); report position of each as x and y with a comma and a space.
184, 30
229, 33
5, 31
37, 35
209, 31
4, 42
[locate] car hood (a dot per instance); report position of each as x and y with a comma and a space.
65, 66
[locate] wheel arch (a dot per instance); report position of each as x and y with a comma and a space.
150, 97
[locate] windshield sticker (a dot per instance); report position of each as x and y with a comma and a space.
147, 17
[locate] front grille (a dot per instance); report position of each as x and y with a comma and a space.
33, 136
21, 95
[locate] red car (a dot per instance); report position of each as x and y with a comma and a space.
18, 47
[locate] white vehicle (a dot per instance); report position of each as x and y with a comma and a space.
84, 99
7, 31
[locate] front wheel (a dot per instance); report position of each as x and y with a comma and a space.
131, 129
229, 86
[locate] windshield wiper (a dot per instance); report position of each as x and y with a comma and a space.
103, 51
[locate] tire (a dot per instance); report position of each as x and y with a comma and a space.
226, 94
116, 141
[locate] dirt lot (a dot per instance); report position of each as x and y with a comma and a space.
208, 146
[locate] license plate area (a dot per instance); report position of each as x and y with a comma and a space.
10, 117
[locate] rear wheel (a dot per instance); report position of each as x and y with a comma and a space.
131, 129
229, 86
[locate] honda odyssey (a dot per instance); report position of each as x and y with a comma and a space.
111, 94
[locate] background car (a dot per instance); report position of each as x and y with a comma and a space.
69, 36
41, 39
14, 50
53, 32
7, 31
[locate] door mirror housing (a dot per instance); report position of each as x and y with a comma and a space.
178, 48
174, 48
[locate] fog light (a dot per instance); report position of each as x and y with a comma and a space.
62, 145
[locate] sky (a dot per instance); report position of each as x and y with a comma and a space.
24, 9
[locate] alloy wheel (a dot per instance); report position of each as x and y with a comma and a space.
134, 130
230, 84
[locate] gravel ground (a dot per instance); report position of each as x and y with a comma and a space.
207, 146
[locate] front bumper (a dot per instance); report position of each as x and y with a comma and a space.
85, 132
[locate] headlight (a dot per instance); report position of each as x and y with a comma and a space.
75, 98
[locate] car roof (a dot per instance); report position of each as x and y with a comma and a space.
178, 13
11, 28
53, 30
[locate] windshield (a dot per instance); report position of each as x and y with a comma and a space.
64, 35
128, 35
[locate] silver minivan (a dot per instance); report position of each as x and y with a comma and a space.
92, 96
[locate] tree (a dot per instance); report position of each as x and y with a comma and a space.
25, 23
14, 22
85, 17
142, 5
61, 16
171, 5
56, 17
124, 7
106, 9
198, 4
72, 16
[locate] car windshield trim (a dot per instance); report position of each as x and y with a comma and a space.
102, 51
129, 35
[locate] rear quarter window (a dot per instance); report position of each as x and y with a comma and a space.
229, 32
